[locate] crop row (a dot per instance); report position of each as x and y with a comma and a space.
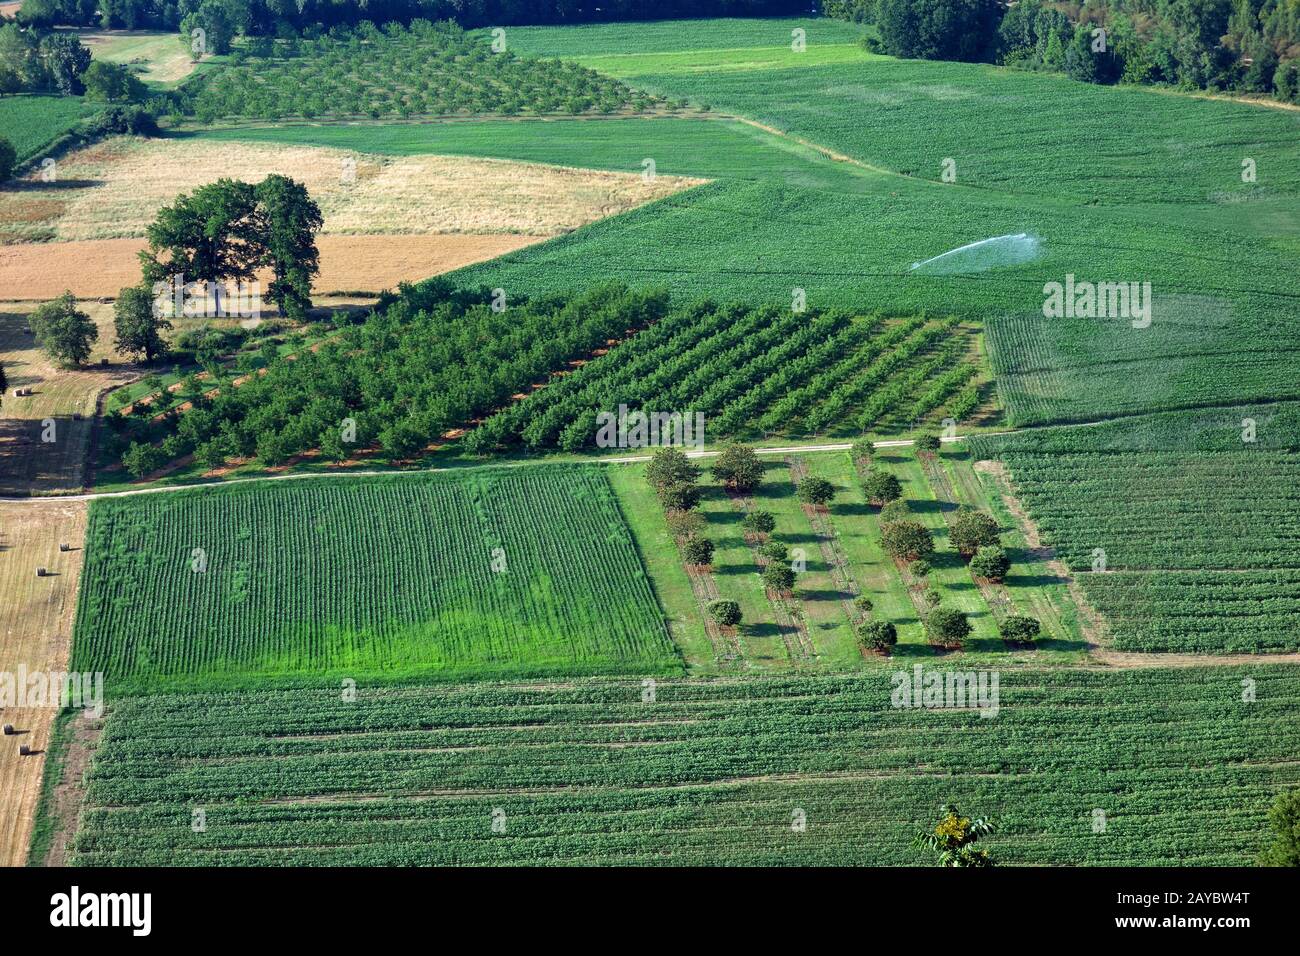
400, 72
1206, 611
1179, 550
750, 370
499, 572
1166, 510
592, 771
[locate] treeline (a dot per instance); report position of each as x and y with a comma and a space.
271, 17
37, 59
33, 60
1247, 46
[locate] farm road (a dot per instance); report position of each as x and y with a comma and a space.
628, 459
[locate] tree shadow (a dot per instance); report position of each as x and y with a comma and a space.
26, 462
822, 594
946, 560
1033, 580
797, 537
725, 517
1060, 644
761, 629
912, 650
731, 570
54, 185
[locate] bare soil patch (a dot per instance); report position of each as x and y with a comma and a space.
70, 791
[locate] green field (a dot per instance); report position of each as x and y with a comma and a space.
710, 772
538, 679
702, 146
1172, 202
782, 215
159, 59
754, 237
1156, 197
1003, 126
1195, 527
848, 533
33, 122
1276, 427
1167, 510
680, 36
499, 572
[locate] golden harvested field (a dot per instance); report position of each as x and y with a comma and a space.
26, 462
35, 633
102, 267
113, 189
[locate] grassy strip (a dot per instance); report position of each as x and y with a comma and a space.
857, 526
949, 576
46, 825
815, 589
654, 543
736, 576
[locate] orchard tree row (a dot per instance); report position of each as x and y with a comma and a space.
422, 364
974, 535
424, 69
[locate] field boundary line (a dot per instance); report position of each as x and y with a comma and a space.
374, 473
829, 776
